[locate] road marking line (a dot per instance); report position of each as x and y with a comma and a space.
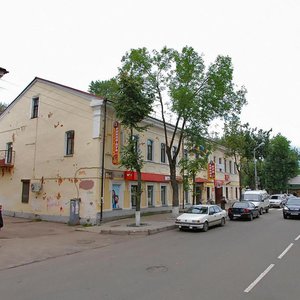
285, 251
297, 238
259, 278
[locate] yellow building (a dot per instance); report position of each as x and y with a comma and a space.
51, 152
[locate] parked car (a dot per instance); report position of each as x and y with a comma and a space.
202, 217
287, 197
243, 210
291, 208
276, 200
259, 198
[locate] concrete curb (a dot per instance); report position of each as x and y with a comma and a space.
143, 231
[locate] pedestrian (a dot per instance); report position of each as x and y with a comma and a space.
223, 202
1, 219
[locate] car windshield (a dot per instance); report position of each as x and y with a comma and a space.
294, 201
252, 197
197, 210
240, 204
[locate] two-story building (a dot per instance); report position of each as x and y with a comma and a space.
58, 159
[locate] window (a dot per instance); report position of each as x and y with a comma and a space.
225, 165
220, 160
163, 195
163, 152
8, 154
70, 142
230, 167
35, 107
150, 195
236, 193
25, 190
135, 139
185, 153
149, 150
133, 195
174, 150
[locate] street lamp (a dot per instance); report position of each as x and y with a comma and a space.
255, 170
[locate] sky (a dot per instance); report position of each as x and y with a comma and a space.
73, 42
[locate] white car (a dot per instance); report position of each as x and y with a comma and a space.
202, 217
276, 200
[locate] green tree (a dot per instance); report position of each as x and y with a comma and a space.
105, 88
195, 95
196, 152
132, 105
240, 141
280, 165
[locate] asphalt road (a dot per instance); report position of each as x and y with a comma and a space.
243, 260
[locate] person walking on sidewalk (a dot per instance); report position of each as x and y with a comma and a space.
1, 219
223, 202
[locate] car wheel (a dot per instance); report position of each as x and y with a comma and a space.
251, 217
231, 218
267, 210
260, 211
222, 222
257, 215
205, 226
285, 216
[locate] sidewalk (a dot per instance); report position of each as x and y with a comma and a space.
24, 241
150, 224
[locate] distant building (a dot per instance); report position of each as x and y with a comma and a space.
51, 142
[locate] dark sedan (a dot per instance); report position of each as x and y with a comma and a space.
291, 208
243, 210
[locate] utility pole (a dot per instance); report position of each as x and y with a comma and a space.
255, 169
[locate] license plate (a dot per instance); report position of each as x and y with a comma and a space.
294, 213
236, 215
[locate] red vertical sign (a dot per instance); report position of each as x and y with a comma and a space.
211, 171
116, 143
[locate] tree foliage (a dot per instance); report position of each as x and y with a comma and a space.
240, 141
196, 95
132, 105
280, 165
105, 88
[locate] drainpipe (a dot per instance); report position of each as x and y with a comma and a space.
102, 164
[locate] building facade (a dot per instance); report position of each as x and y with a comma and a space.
57, 159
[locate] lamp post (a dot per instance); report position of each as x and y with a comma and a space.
255, 170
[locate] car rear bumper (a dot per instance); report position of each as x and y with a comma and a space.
239, 216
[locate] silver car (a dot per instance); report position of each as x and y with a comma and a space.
276, 200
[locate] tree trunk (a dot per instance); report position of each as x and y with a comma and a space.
174, 183
194, 188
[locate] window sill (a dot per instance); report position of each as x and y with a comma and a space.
68, 155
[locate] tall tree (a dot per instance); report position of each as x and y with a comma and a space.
280, 165
132, 105
240, 141
196, 95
